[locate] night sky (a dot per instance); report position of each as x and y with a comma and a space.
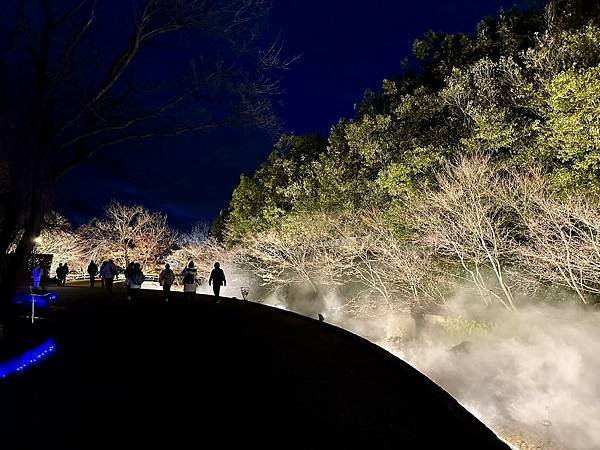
346, 46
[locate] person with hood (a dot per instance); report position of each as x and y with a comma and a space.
190, 281
108, 272
166, 279
37, 274
92, 271
217, 278
134, 281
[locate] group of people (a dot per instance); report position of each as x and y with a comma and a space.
190, 280
134, 277
37, 275
61, 274
108, 271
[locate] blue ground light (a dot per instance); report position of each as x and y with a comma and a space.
27, 359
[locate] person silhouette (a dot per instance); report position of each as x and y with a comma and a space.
108, 272
59, 274
217, 279
189, 281
134, 282
92, 271
65, 273
166, 279
37, 275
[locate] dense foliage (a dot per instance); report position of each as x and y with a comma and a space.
520, 96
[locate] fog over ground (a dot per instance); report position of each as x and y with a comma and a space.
533, 375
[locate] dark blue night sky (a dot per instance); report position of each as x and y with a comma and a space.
347, 46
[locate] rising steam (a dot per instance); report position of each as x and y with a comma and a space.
531, 375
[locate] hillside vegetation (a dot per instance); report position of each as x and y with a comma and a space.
476, 167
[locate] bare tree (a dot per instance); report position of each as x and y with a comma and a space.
464, 220
59, 239
561, 235
306, 249
280, 258
398, 272
130, 234
74, 80
359, 254
197, 235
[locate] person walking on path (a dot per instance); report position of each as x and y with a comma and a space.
217, 278
134, 282
166, 279
189, 281
104, 263
59, 274
108, 272
37, 274
92, 271
65, 273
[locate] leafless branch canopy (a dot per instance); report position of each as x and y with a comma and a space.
75, 80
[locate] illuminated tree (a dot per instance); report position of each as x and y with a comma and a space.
383, 272
130, 234
284, 184
464, 221
64, 243
289, 255
561, 235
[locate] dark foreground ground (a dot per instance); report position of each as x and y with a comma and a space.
229, 375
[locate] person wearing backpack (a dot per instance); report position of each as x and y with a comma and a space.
134, 282
217, 278
166, 279
108, 272
189, 281
92, 271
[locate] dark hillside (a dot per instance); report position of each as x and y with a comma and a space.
182, 375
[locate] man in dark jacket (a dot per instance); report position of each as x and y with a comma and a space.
92, 271
217, 279
59, 274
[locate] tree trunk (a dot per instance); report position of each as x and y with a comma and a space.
13, 265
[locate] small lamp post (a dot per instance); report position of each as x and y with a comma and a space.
546, 421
